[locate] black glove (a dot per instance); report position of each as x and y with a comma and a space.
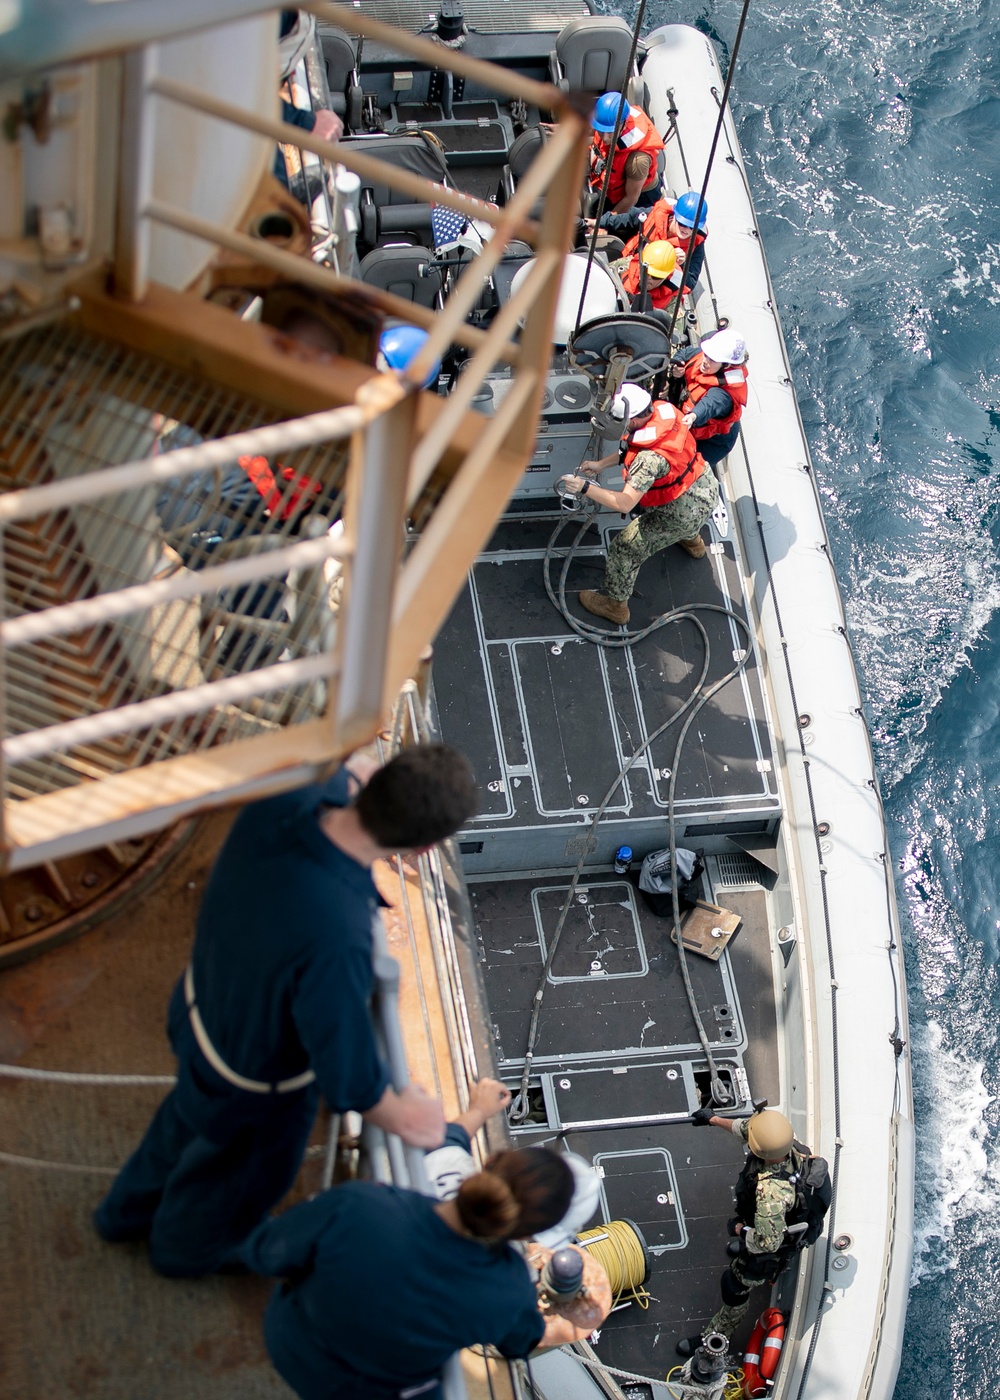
701, 1117
732, 1223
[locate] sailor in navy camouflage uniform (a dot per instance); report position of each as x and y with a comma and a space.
767, 1199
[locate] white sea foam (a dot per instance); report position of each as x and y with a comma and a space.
958, 1166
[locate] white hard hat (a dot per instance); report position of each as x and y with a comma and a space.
586, 1198
630, 401
728, 347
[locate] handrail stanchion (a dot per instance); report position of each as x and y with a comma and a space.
406, 1164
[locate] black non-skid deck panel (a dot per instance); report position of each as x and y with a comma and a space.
750, 962
619, 1094
674, 1180
675, 1183
549, 718
615, 986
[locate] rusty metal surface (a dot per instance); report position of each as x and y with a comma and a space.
82, 1318
60, 900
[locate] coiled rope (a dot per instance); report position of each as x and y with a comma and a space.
690, 708
734, 1379
619, 1251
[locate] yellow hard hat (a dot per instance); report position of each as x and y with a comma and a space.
660, 257
769, 1135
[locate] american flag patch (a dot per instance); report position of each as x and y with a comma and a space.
447, 225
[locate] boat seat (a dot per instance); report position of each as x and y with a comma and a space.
340, 54
388, 212
522, 152
591, 55
410, 273
516, 254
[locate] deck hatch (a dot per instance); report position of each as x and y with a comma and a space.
625, 1094
601, 936
642, 1186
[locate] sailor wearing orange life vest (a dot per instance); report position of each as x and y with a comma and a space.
662, 280
714, 392
666, 477
673, 221
636, 165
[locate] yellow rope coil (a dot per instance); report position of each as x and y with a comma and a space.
622, 1257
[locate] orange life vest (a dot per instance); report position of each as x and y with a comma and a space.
637, 134
666, 435
294, 493
655, 227
732, 378
661, 294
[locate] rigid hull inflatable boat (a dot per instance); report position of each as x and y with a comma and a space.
734, 730
775, 783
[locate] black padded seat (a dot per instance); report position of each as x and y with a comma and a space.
410, 273
385, 210
340, 54
591, 55
522, 152
515, 255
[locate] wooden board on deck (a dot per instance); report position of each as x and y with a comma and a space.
707, 929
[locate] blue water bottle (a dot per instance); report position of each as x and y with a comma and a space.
623, 859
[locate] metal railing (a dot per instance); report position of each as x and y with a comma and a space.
172, 640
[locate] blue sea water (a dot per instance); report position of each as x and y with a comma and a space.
872, 135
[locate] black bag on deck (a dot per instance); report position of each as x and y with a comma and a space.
654, 880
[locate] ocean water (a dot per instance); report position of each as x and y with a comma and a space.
872, 134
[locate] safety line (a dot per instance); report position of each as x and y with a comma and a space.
65, 1076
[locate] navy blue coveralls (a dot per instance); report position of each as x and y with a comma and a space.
282, 978
379, 1292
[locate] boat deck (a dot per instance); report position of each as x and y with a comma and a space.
549, 719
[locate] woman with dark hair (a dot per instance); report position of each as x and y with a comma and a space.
382, 1285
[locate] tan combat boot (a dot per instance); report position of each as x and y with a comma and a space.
602, 606
695, 547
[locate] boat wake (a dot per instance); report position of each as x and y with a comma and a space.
958, 1166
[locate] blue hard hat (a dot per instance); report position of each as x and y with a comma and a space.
605, 117
400, 346
686, 208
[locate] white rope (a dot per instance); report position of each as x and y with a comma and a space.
611, 1370
11, 1159
14, 1159
65, 1076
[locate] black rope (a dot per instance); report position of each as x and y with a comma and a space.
711, 155
691, 707
531, 1380
489, 1374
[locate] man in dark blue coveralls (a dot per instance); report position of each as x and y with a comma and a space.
273, 1008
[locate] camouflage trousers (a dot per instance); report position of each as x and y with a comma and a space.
657, 529
730, 1315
